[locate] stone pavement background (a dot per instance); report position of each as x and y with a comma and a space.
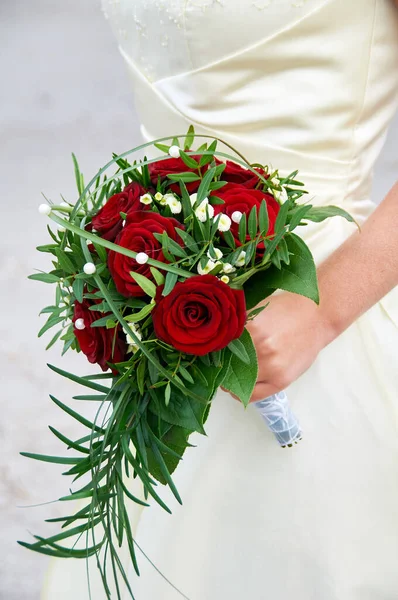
63, 88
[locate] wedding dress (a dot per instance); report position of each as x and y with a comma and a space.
309, 85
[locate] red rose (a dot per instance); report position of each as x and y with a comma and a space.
162, 168
108, 221
138, 235
234, 173
98, 343
238, 198
200, 315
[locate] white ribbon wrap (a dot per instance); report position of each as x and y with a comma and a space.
279, 417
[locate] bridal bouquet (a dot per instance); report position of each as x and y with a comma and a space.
157, 268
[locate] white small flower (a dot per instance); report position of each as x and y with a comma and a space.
280, 195
224, 223
224, 279
236, 216
174, 204
204, 211
79, 324
174, 151
65, 204
88, 242
160, 198
275, 180
217, 252
146, 199
209, 266
132, 346
228, 268
44, 209
193, 198
89, 268
61, 229
142, 258
240, 261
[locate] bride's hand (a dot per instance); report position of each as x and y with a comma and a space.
288, 335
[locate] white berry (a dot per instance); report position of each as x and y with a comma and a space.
79, 324
142, 258
174, 151
44, 209
89, 268
236, 216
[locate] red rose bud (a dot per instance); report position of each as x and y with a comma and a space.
137, 235
234, 173
108, 221
162, 168
97, 343
239, 199
200, 315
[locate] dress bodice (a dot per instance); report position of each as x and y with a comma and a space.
302, 84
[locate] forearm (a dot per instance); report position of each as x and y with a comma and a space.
363, 269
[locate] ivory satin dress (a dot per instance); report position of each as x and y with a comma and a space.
309, 85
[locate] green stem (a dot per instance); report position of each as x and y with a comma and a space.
111, 246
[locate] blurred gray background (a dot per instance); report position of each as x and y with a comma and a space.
63, 88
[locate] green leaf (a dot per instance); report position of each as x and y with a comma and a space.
229, 239
65, 261
299, 276
76, 415
189, 161
162, 147
189, 139
320, 213
101, 253
139, 316
78, 287
185, 374
167, 394
145, 284
204, 186
81, 380
171, 280
263, 219
242, 229
51, 322
61, 460
208, 157
282, 216
141, 375
187, 177
157, 275
54, 339
237, 347
252, 223
188, 240
78, 176
241, 377
297, 215
45, 277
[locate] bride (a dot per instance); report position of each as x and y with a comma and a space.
307, 84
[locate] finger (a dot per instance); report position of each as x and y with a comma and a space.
263, 390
